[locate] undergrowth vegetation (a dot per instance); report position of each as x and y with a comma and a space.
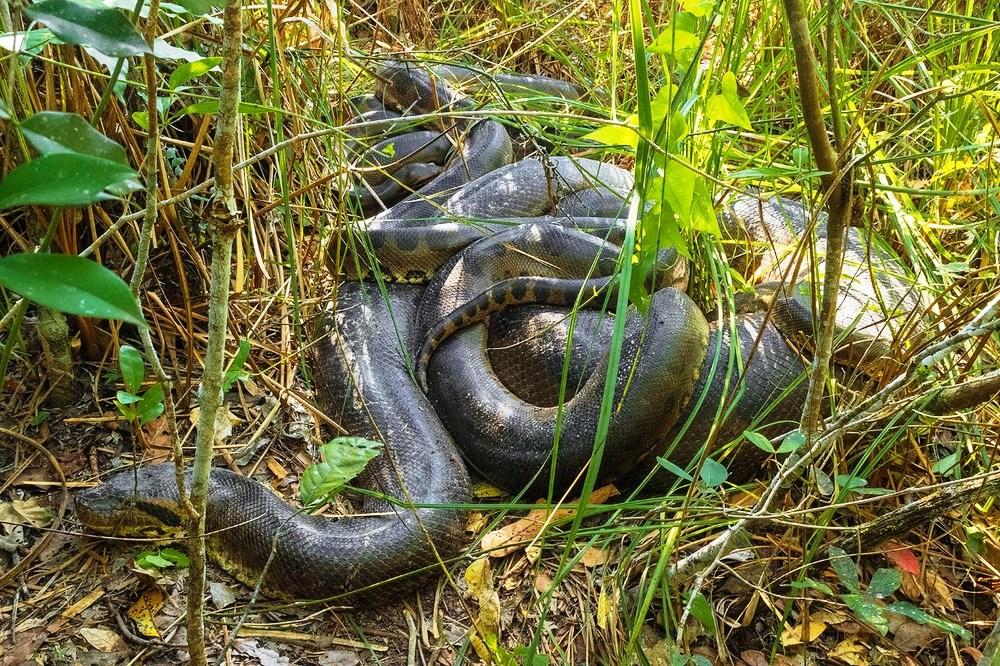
700, 97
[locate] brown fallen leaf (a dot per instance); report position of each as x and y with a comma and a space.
593, 557
103, 639
519, 534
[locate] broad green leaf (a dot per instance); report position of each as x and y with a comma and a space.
133, 370
713, 473
884, 582
702, 611
151, 405
917, 615
614, 135
758, 440
948, 464
812, 584
726, 107
70, 284
199, 7
678, 189
703, 216
235, 370
673, 41
389, 149
165, 51
149, 560
30, 41
65, 179
190, 70
801, 157
868, 611
846, 570
674, 469
823, 482
792, 442
90, 24
177, 557
141, 119
57, 132
698, 7
343, 459
126, 398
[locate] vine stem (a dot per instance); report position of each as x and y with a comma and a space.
224, 222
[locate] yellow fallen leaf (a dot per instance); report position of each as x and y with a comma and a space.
479, 578
803, 633
103, 639
593, 557
850, 652
143, 610
606, 609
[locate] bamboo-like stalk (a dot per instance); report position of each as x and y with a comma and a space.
224, 220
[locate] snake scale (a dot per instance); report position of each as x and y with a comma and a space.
478, 235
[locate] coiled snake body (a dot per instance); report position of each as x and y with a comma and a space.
495, 390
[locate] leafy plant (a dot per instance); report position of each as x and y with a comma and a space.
137, 407
343, 458
868, 604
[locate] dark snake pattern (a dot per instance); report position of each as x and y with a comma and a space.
476, 223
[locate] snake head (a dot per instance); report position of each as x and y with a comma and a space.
406, 87
140, 502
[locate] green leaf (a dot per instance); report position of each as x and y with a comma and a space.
177, 557
212, 106
4, 111
90, 24
703, 216
133, 370
389, 149
726, 107
917, 615
672, 41
57, 132
126, 398
199, 7
812, 584
343, 459
698, 7
713, 473
678, 189
141, 119
31, 42
674, 469
191, 70
235, 370
151, 405
758, 440
868, 611
614, 135
884, 582
823, 482
845, 569
701, 610
148, 560
947, 464
70, 284
792, 442
66, 179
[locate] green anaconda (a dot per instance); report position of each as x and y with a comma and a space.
477, 223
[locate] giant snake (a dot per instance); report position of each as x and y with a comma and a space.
480, 236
